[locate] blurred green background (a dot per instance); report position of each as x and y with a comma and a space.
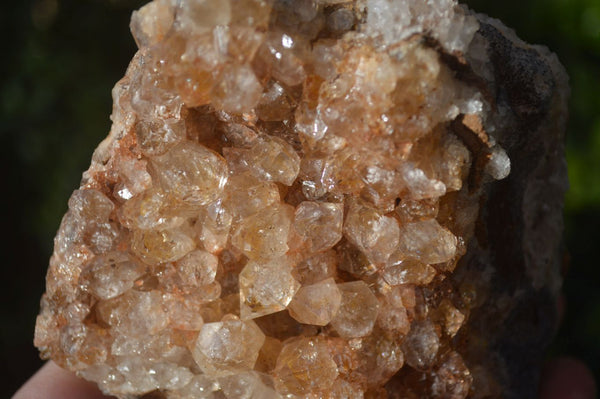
60, 59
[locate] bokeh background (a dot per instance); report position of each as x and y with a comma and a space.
59, 60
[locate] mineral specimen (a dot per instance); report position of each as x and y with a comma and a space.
316, 199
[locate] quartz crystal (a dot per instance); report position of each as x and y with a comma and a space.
316, 199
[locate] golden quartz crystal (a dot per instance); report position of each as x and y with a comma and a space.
316, 199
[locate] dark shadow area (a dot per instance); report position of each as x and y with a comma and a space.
579, 333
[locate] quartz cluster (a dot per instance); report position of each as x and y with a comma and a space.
299, 199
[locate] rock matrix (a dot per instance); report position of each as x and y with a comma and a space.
316, 199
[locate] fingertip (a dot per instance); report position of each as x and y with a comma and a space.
53, 382
567, 378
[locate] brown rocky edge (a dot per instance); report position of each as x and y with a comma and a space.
523, 213
517, 251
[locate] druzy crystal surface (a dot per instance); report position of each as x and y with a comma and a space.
316, 199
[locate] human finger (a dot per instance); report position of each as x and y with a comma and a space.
567, 378
53, 382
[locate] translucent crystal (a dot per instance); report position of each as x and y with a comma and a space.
355, 262
213, 227
499, 165
273, 159
305, 365
237, 90
171, 377
217, 350
401, 270
184, 311
200, 386
343, 389
394, 310
264, 235
157, 137
110, 275
246, 386
427, 241
382, 186
417, 210
90, 205
161, 246
246, 195
122, 313
383, 358
456, 160
191, 173
420, 185
253, 13
198, 268
149, 210
150, 23
421, 345
320, 223
201, 15
452, 380
316, 304
373, 233
275, 104
396, 20
266, 287
316, 268
267, 356
358, 310
278, 53
451, 318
